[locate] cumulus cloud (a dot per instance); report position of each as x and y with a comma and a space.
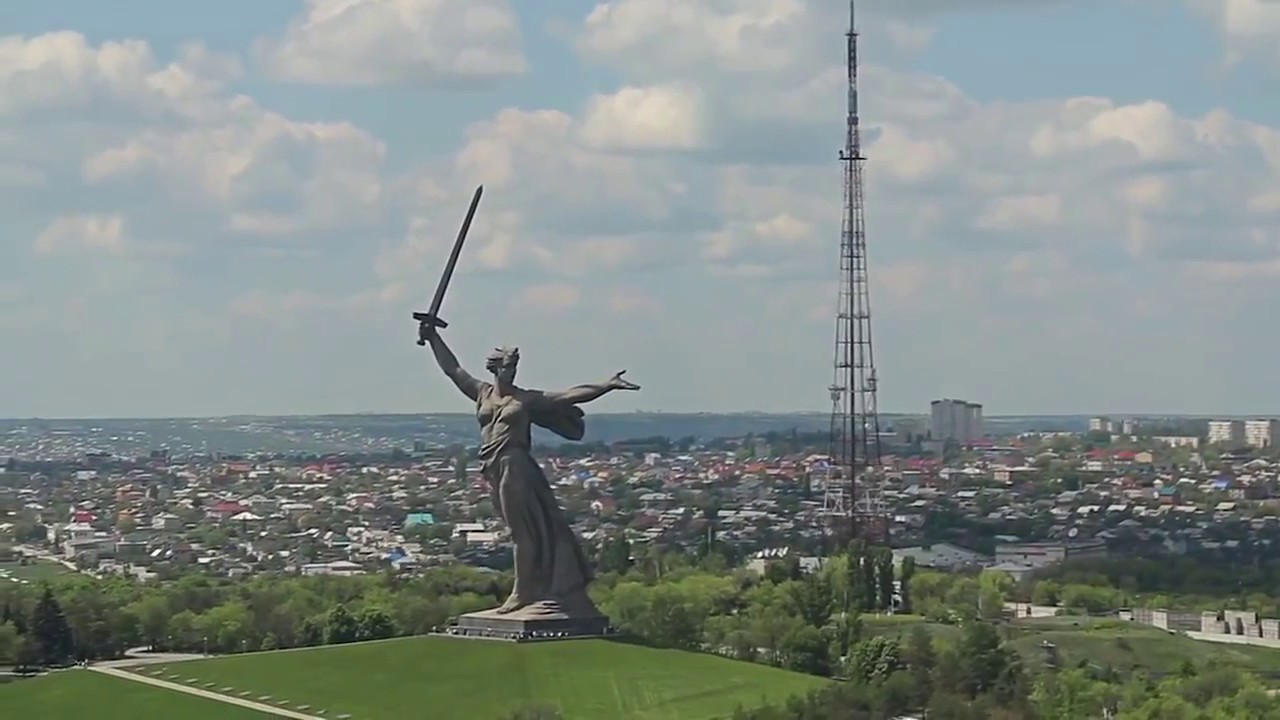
672, 201
409, 42
553, 298
659, 117
1247, 27
120, 114
82, 232
269, 174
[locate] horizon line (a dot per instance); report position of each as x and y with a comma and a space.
777, 413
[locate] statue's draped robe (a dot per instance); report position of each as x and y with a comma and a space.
550, 566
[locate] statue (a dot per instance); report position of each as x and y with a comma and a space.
550, 568
551, 571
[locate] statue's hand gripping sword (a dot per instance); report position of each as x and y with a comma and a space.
429, 320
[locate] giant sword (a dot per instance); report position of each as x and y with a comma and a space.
431, 318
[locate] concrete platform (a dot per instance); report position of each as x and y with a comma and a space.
537, 622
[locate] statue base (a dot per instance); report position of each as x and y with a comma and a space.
540, 621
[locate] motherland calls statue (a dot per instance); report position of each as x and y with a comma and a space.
550, 568
551, 571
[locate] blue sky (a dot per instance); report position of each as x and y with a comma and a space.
1073, 206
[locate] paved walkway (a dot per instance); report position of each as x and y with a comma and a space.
260, 707
133, 658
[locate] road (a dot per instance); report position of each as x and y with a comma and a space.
208, 695
36, 552
135, 657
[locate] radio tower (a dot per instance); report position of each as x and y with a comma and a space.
853, 500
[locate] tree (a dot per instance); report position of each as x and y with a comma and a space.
312, 632
811, 599
987, 665
884, 579
374, 624
615, 555
805, 650
1067, 695
874, 659
780, 571
905, 573
340, 626
152, 613
920, 657
460, 467
870, 591
854, 579
845, 633
9, 640
1046, 592
50, 632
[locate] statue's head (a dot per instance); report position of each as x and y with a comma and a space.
503, 362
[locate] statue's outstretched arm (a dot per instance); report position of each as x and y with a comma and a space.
582, 394
452, 369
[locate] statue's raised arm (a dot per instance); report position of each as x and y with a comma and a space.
448, 362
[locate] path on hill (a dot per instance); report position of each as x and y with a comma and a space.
138, 656
209, 695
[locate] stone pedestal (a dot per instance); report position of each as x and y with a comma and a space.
542, 621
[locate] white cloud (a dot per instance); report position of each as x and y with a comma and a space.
553, 298
1247, 27
629, 301
676, 198
61, 71
660, 117
82, 232
735, 35
119, 114
908, 37
410, 42
246, 160
1021, 212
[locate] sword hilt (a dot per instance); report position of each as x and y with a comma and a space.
426, 321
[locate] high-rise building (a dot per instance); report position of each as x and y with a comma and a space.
1261, 433
957, 420
1227, 432
1101, 423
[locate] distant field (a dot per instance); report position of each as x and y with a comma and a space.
86, 695
35, 572
1124, 646
485, 680
1127, 646
902, 626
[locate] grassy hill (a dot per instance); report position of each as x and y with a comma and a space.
81, 694
1128, 646
1124, 646
485, 680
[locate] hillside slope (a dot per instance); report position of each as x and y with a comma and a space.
484, 680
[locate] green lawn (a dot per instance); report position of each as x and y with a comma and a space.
1127, 646
1124, 646
35, 572
902, 626
85, 695
485, 680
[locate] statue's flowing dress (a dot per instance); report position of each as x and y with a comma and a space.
551, 571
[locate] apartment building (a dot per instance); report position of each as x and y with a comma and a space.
1261, 433
957, 420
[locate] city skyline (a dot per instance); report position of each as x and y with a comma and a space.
216, 215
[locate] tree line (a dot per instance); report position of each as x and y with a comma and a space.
81, 618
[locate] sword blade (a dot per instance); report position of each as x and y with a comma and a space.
438, 300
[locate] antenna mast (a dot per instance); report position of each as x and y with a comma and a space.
854, 494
